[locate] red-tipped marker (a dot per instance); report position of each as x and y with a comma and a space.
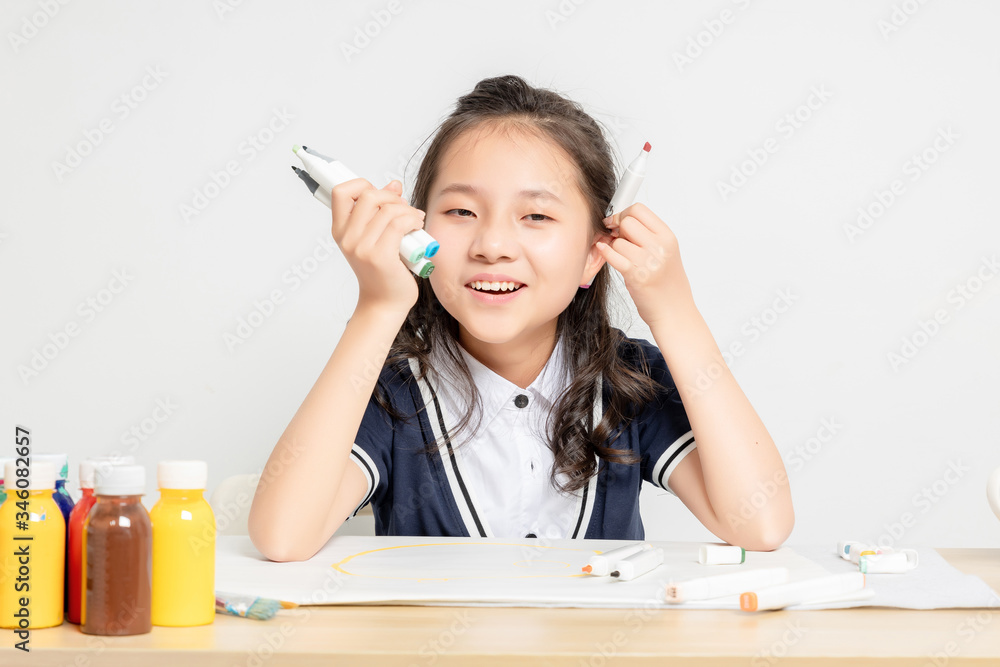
587, 569
629, 185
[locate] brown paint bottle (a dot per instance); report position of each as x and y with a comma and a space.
117, 555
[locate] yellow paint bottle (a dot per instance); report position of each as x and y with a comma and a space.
32, 549
183, 546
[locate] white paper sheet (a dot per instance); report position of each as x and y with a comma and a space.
353, 569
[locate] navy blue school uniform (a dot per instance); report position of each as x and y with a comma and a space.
416, 492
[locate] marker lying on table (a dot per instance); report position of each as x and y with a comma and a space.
799, 592
322, 174
601, 565
719, 554
716, 586
638, 564
629, 185
888, 563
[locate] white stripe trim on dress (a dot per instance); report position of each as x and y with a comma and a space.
670, 458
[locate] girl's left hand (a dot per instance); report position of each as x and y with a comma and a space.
645, 252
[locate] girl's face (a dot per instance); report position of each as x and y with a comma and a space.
506, 207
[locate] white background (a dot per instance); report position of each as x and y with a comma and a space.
894, 76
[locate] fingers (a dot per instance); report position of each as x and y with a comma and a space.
356, 200
398, 226
631, 253
364, 232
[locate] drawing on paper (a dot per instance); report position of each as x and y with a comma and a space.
450, 561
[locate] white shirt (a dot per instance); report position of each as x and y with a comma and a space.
506, 464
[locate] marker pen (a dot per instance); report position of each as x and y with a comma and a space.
629, 185
844, 548
600, 565
638, 564
322, 173
856, 551
721, 554
810, 590
706, 588
900, 561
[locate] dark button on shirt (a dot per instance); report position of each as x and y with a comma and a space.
521, 400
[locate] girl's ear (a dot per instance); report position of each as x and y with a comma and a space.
595, 260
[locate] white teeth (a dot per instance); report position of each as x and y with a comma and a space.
494, 286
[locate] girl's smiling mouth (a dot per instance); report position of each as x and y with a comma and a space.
492, 288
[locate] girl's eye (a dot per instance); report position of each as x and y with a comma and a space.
461, 211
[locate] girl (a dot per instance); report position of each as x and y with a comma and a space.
494, 398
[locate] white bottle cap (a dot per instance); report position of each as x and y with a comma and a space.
3, 464
60, 461
717, 554
41, 476
182, 474
88, 466
119, 480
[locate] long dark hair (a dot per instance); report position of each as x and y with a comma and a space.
593, 347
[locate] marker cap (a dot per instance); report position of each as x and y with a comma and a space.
41, 476
715, 554
421, 268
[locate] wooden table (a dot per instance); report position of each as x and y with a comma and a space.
492, 636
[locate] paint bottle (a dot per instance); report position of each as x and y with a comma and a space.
117, 555
61, 494
40, 539
77, 518
65, 503
183, 546
3, 494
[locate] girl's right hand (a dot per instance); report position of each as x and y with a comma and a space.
368, 225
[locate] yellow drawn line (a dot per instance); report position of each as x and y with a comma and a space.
340, 565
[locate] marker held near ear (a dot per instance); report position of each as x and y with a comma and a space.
629, 184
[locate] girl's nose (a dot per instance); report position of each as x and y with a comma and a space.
495, 240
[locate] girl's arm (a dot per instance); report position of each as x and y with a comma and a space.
300, 500
734, 481
303, 495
